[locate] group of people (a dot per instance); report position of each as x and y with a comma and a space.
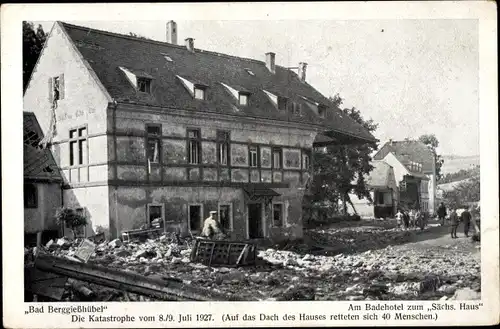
411, 219
465, 217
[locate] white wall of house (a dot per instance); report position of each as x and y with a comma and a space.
399, 170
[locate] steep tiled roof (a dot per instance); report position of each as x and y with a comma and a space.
379, 176
106, 52
38, 163
408, 150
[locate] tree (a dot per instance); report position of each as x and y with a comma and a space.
465, 193
341, 169
33, 41
432, 142
70, 218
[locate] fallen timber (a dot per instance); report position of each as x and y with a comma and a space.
161, 288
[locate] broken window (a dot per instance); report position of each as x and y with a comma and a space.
277, 158
56, 88
223, 147
78, 151
195, 220
278, 214
194, 146
155, 215
199, 93
153, 143
225, 216
253, 156
144, 85
30, 196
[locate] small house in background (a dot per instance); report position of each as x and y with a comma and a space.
383, 190
42, 184
415, 172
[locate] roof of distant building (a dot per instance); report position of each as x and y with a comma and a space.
106, 53
406, 151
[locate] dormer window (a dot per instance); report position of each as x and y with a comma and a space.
282, 103
144, 85
250, 72
321, 111
296, 109
199, 92
243, 99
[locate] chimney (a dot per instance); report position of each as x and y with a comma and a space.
190, 44
172, 32
302, 71
270, 64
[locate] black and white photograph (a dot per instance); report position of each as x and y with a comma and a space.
275, 160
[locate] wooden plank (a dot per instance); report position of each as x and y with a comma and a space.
131, 282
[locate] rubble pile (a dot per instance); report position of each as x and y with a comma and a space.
395, 272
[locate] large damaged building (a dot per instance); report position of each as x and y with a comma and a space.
143, 129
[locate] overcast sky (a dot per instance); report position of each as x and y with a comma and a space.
412, 77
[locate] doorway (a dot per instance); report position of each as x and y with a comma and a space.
255, 227
195, 220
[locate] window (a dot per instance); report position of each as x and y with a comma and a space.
253, 156
296, 109
278, 214
194, 146
225, 217
223, 147
144, 85
195, 220
153, 143
282, 103
277, 158
30, 196
199, 93
243, 99
380, 197
155, 215
78, 154
56, 88
321, 110
307, 162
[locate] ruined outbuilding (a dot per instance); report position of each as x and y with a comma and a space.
143, 129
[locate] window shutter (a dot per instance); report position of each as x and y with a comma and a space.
51, 91
61, 86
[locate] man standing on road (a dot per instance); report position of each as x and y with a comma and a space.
454, 223
466, 217
441, 213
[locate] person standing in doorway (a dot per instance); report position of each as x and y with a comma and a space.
441, 213
466, 217
454, 223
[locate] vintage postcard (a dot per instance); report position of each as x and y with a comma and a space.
250, 164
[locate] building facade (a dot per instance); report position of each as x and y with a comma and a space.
415, 173
143, 129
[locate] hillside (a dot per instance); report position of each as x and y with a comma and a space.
454, 163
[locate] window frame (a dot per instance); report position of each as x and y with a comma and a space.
33, 205
250, 152
283, 221
282, 102
147, 83
78, 159
246, 96
189, 216
156, 137
230, 214
221, 142
203, 89
279, 151
148, 213
196, 140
